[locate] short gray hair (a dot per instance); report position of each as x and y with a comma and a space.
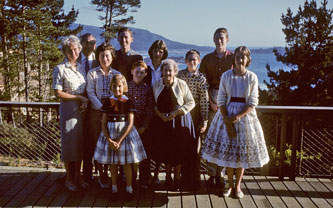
170, 62
67, 41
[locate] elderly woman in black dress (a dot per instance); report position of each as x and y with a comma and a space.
173, 130
69, 84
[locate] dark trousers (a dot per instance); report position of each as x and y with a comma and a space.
144, 167
93, 129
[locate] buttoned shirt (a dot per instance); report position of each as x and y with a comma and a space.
199, 88
142, 98
69, 79
213, 67
123, 62
98, 85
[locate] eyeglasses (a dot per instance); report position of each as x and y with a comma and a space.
92, 42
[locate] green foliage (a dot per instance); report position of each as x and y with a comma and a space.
308, 56
115, 10
274, 155
30, 33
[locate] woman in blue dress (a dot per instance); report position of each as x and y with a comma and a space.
69, 84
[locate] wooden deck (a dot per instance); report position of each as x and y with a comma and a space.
21, 187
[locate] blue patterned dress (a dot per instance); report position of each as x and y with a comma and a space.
131, 149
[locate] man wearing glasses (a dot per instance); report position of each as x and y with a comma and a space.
87, 56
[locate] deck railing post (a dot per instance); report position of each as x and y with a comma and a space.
294, 146
283, 145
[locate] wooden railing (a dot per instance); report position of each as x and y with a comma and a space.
281, 124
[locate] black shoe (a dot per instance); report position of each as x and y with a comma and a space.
114, 196
168, 184
129, 196
219, 181
176, 185
211, 181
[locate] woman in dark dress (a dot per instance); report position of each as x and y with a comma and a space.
173, 130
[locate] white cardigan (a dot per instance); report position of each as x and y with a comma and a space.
182, 93
251, 88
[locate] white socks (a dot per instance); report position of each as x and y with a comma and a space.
114, 189
129, 189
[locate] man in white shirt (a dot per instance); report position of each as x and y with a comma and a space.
87, 56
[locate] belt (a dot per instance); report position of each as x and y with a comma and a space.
117, 118
237, 99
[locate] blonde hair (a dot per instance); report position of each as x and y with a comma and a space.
119, 78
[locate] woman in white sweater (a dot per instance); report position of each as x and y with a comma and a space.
235, 138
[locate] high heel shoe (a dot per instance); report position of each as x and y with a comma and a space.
176, 184
168, 184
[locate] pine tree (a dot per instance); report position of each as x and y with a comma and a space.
114, 10
309, 56
30, 37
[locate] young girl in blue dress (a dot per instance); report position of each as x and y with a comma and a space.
235, 138
119, 142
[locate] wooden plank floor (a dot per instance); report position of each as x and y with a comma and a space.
26, 187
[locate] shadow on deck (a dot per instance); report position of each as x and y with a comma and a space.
40, 187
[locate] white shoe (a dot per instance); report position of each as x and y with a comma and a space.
239, 195
227, 192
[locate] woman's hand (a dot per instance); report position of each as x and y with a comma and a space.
172, 115
164, 117
231, 119
84, 102
202, 128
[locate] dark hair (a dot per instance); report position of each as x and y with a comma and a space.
85, 36
125, 29
192, 51
140, 63
158, 44
222, 30
105, 47
245, 51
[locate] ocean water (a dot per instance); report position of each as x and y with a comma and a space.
258, 65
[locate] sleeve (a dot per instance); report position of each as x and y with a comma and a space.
253, 99
91, 91
222, 95
130, 105
203, 66
189, 103
57, 79
106, 106
149, 108
204, 101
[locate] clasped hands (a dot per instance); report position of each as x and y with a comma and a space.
169, 116
229, 123
113, 144
231, 119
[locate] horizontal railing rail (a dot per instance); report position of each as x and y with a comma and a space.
308, 131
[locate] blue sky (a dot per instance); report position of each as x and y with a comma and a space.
250, 22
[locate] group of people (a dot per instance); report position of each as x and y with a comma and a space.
118, 112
